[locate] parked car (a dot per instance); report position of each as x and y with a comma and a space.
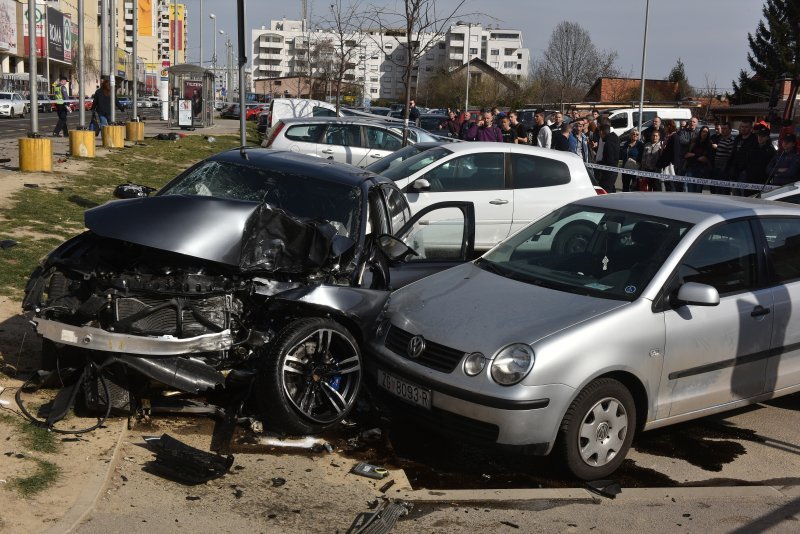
230, 112
144, 103
123, 103
287, 108
253, 111
266, 272
432, 122
622, 120
12, 105
349, 140
676, 308
44, 104
510, 185
219, 105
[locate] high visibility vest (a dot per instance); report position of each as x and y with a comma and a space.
57, 91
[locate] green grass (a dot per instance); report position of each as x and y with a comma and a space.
35, 438
40, 219
45, 475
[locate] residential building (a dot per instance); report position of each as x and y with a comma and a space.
289, 48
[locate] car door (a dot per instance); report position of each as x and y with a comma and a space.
539, 186
479, 178
717, 354
783, 245
380, 142
342, 143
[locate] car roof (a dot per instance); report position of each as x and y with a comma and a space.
353, 119
293, 162
691, 208
485, 146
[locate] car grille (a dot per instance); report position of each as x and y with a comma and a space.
435, 356
177, 317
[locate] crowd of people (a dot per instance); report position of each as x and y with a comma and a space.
665, 147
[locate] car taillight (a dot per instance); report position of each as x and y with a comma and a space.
274, 133
599, 190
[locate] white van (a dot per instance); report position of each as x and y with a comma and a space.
624, 119
287, 108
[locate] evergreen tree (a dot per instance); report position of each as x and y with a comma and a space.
774, 51
678, 74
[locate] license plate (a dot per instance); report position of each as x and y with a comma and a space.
408, 391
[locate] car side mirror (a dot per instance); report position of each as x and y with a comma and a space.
131, 190
394, 249
698, 294
421, 184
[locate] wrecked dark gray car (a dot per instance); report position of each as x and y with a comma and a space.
251, 280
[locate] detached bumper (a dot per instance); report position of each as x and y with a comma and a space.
88, 337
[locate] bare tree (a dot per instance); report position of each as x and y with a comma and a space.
346, 23
420, 26
572, 62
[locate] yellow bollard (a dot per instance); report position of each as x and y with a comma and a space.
35, 154
81, 143
114, 136
134, 131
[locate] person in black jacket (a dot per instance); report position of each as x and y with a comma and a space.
610, 157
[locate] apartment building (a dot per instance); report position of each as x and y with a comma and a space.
288, 48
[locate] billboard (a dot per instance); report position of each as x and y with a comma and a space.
55, 34
146, 19
121, 64
8, 26
176, 28
39, 32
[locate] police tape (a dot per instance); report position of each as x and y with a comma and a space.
684, 179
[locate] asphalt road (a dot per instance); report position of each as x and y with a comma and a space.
16, 128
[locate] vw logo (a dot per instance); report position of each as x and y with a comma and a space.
416, 346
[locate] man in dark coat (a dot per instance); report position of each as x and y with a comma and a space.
610, 157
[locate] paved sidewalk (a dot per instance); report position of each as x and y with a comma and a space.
9, 148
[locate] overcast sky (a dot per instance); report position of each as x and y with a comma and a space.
710, 36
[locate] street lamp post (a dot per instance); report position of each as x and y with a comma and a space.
201, 33
644, 59
213, 17
468, 57
227, 60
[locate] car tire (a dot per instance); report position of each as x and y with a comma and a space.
13, 115
303, 392
572, 239
597, 430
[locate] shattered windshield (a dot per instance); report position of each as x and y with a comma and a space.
298, 194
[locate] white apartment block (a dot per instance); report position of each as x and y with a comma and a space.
284, 49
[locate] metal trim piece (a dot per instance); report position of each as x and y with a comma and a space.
88, 337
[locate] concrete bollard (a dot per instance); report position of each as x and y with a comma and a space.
134, 131
114, 136
35, 154
81, 143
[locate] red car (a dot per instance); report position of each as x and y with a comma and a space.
253, 112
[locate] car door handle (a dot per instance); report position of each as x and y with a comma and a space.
498, 201
758, 311
376, 156
327, 151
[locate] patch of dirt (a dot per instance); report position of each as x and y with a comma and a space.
25, 231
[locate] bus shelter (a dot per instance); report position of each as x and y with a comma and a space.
191, 90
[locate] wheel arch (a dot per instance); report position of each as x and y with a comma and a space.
633, 383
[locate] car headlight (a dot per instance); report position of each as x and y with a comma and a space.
474, 363
512, 364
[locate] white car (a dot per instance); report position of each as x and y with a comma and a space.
510, 185
357, 141
144, 103
287, 108
12, 105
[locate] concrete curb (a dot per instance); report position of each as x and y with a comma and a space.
92, 490
583, 495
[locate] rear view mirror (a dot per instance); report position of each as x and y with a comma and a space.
698, 294
130, 190
421, 184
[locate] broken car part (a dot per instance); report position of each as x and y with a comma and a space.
370, 471
381, 521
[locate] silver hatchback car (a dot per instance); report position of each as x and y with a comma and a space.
675, 307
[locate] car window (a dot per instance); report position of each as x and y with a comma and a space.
415, 164
343, 135
381, 139
308, 133
590, 251
792, 199
619, 121
399, 210
318, 111
395, 158
783, 238
724, 257
482, 171
535, 171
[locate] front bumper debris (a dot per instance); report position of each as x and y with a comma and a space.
88, 337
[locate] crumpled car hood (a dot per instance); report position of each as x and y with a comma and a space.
244, 234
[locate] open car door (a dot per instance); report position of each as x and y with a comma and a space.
442, 235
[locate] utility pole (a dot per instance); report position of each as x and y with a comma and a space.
135, 61
104, 37
213, 17
46, 49
201, 33
240, 5
34, 88
175, 32
81, 68
112, 51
